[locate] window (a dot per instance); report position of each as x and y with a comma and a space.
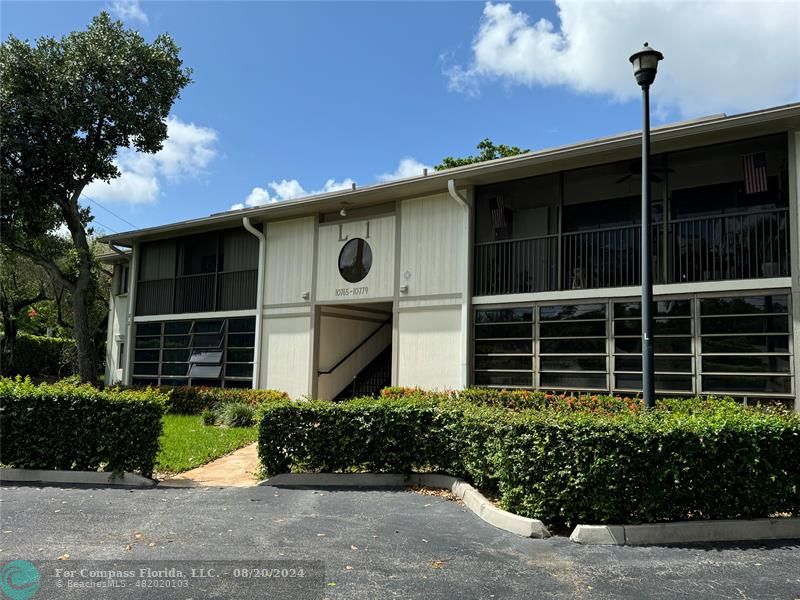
123, 274
121, 356
572, 347
672, 345
504, 347
355, 260
745, 345
737, 345
215, 352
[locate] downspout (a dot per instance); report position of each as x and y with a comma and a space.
259, 300
466, 290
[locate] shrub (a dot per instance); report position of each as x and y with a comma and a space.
710, 459
209, 416
67, 426
194, 400
237, 414
39, 356
524, 399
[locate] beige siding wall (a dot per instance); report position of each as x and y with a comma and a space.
285, 354
429, 348
289, 260
432, 246
379, 232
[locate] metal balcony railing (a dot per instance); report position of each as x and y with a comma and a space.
516, 266
737, 246
206, 292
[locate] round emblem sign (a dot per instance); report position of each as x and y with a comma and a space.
355, 260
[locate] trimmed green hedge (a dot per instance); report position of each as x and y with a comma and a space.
78, 427
194, 400
523, 399
39, 356
711, 459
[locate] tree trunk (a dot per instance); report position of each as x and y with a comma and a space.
8, 342
87, 366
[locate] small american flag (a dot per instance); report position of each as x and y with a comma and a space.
498, 213
755, 172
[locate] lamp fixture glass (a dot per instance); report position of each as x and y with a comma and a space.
645, 65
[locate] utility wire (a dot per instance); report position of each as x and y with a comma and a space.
108, 210
111, 229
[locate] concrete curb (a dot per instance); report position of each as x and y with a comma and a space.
472, 498
688, 532
75, 477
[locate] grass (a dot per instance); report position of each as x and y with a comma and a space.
186, 443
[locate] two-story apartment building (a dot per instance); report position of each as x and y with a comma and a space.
518, 272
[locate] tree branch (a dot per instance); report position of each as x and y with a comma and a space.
49, 265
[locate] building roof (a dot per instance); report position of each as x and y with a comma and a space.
703, 131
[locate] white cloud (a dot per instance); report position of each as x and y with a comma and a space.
128, 10
288, 189
186, 153
719, 56
407, 167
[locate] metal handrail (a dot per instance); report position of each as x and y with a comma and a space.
354, 350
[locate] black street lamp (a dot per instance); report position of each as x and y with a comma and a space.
645, 65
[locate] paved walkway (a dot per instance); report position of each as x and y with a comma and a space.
237, 469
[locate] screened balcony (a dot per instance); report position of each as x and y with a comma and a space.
195, 274
719, 213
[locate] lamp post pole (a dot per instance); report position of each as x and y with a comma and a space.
645, 65
648, 356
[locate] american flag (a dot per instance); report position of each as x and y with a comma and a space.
498, 213
755, 172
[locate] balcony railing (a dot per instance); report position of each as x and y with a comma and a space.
736, 246
516, 266
234, 290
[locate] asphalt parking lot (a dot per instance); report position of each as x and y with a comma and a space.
373, 544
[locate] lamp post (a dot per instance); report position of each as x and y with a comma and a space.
645, 65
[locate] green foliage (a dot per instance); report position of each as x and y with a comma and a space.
78, 427
194, 400
488, 151
524, 399
237, 414
209, 416
38, 356
188, 443
68, 106
586, 462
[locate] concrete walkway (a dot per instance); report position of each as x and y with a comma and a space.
237, 469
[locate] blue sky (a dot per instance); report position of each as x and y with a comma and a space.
301, 94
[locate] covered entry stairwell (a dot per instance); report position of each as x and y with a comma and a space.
354, 350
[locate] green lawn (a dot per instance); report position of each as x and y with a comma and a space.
186, 443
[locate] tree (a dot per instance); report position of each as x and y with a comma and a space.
22, 284
488, 151
68, 106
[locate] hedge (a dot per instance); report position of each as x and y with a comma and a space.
709, 459
78, 427
188, 400
39, 356
523, 399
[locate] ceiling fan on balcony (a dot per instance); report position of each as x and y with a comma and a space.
635, 170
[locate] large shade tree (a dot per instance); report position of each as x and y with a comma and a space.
488, 150
68, 106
